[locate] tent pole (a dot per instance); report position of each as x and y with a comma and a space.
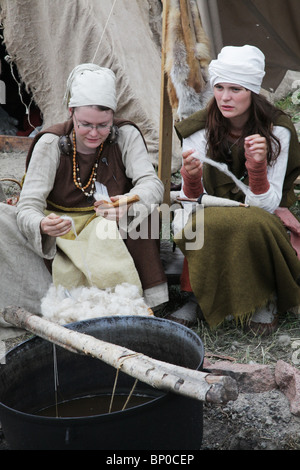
166, 118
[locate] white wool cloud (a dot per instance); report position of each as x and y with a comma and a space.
82, 303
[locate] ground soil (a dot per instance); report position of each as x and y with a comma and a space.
255, 421
260, 421
12, 165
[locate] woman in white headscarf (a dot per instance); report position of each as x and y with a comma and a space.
63, 167
247, 267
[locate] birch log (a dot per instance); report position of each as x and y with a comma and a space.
161, 375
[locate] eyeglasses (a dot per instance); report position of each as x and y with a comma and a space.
89, 127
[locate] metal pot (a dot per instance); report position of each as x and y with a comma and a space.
167, 421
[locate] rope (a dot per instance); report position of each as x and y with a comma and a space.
130, 394
112, 8
56, 382
116, 380
9, 60
113, 391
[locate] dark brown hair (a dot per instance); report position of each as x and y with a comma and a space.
262, 117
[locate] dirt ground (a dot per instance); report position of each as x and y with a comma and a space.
260, 421
256, 421
12, 165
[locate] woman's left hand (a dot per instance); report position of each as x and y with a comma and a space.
256, 148
110, 212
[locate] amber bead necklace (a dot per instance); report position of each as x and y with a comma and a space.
76, 171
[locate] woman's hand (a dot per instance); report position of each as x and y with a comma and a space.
110, 212
55, 226
192, 165
256, 148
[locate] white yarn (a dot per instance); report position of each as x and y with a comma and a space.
82, 303
223, 167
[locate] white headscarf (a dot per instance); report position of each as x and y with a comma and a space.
244, 66
90, 84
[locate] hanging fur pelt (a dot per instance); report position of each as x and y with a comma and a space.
187, 58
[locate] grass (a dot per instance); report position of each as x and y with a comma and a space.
293, 110
288, 106
230, 342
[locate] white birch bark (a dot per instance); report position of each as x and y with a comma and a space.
191, 383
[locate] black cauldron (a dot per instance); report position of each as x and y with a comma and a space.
167, 421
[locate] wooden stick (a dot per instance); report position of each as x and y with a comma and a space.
9, 143
168, 377
126, 200
212, 201
166, 117
13, 181
122, 201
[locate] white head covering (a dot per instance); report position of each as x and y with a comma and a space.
89, 84
244, 66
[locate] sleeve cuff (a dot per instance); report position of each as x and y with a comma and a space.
192, 184
258, 180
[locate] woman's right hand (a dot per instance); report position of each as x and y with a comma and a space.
55, 226
192, 165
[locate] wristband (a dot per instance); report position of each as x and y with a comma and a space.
192, 184
258, 180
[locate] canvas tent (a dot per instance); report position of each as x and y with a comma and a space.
45, 39
271, 25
